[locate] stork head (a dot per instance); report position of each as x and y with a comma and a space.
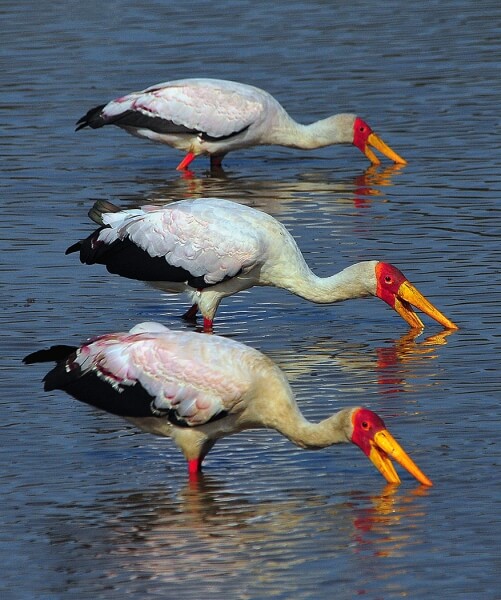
396, 290
377, 443
365, 139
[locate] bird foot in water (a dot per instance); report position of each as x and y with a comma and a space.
191, 313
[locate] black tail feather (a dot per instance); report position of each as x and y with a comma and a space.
74, 248
91, 251
101, 207
52, 354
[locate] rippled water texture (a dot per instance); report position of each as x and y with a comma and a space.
94, 509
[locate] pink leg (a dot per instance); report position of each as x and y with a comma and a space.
191, 313
186, 161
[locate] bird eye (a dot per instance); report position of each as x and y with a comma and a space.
362, 128
388, 279
365, 425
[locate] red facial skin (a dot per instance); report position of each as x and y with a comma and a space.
365, 425
389, 279
361, 131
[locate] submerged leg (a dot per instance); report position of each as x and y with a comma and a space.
186, 161
216, 162
191, 313
195, 464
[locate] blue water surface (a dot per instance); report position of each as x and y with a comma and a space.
91, 507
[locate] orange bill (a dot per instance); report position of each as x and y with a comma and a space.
409, 296
383, 447
376, 142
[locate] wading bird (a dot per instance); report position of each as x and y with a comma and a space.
213, 248
197, 389
214, 117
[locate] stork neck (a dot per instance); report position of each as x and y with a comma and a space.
356, 281
305, 434
319, 134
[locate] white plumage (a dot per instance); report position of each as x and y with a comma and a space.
213, 248
213, 238
197, 389
214, 116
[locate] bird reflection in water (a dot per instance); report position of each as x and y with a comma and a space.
391, 363
276, 197
367, 184
402, 353
239, 537
387, 528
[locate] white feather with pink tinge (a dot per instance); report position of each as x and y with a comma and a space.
198, 388
168, 370
215, 116
213, 248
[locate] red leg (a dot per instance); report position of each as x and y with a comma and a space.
208, 325
191, 313
186, 161
194, 467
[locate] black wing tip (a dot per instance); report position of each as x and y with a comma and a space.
92, 118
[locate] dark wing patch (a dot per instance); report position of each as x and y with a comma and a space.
210, 138
124, 258
95, 119
131, 401
138, 120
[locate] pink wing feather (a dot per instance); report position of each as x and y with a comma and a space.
197, 376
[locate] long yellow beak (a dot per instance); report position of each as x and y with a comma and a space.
375, 141
383, 446
407, 297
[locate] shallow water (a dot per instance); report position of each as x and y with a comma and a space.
93, 508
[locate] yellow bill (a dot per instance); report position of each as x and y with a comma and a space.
384, 446
409, 296
376, 142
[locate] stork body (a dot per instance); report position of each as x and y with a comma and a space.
213, 248
215, 116
197, 389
